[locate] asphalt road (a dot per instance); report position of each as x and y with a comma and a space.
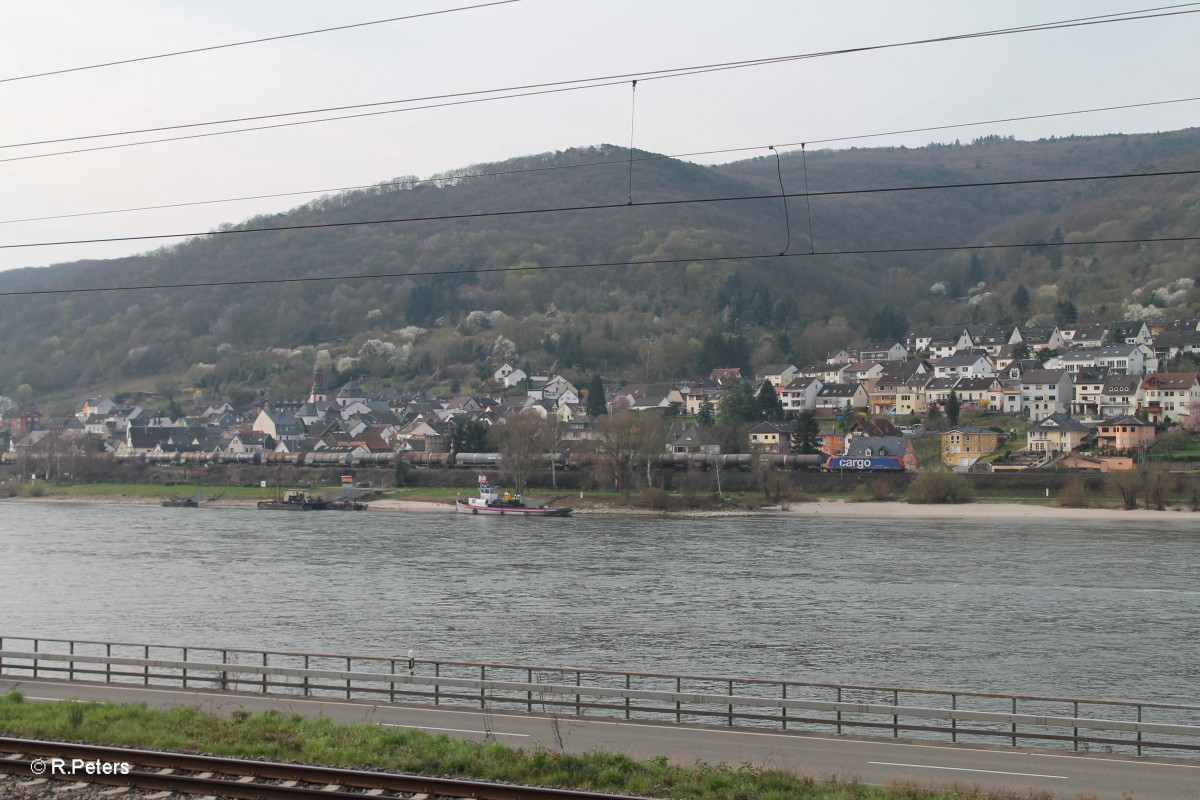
871, 761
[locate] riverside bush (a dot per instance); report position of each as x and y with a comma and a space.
1075, 494
940, 486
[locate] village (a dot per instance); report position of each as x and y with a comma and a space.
1089, 397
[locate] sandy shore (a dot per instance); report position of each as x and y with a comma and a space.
822, 508
982, 511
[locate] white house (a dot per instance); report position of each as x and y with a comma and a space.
1045, 392
964, 365
778, 374
835, 398
1120, 396
1043, 338
1167, 394
1127, 358
800, 394
1136, 332
883, 351
509, 375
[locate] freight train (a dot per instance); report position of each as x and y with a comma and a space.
321, 458
864, 464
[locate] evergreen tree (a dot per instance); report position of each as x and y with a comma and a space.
975, 270
704, 417
596, 406
888, 323
1056, 253
805, 439
770, 407
1020, 299
953, 406
737, 405
1065, 313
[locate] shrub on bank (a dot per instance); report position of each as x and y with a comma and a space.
1075, 494
940, 486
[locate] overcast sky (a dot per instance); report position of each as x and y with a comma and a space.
520, 43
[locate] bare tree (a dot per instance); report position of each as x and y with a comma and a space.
550, 436
628, 442
1128, 483
518, 440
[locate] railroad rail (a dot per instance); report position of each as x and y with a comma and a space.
1123, 726
205, 775
476, 461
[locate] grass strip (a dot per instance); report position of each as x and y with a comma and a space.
276, 736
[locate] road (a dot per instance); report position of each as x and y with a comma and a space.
870, 761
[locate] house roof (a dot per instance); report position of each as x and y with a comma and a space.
686, 433
1128, 419
782, 428
1059, 422
774, 369
1170, 380
839, 390
961, 360
1042, 376
878, 445
1090, 331
1038, 335
992, 334
978, 384
1127, 328
875, 427
1178, 338
1122, 384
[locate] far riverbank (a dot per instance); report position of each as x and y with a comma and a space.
822, 508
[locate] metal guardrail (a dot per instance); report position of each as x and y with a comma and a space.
958, 716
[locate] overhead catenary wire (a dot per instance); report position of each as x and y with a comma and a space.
553, 87
598, 207
596, 265
812, 245
466, 175
262, 40
632, 120
787, 220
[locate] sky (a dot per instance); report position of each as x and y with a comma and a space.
516, 44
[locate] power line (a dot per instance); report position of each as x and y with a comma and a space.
254, 41
602, 207
465, 175
530, 90
610, 264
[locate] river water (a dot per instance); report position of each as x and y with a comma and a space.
1079, 609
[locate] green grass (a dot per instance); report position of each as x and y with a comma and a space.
276, 736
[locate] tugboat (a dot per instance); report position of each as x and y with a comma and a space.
491, 501
300, 500
194, 501
295, 500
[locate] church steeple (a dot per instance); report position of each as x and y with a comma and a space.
318, 393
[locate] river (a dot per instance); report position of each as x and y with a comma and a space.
1083, 609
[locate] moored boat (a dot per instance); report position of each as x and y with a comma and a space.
181, 502
300, 500
492, 501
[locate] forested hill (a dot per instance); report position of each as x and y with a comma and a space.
534, 304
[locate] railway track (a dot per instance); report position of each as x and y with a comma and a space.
214, 776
